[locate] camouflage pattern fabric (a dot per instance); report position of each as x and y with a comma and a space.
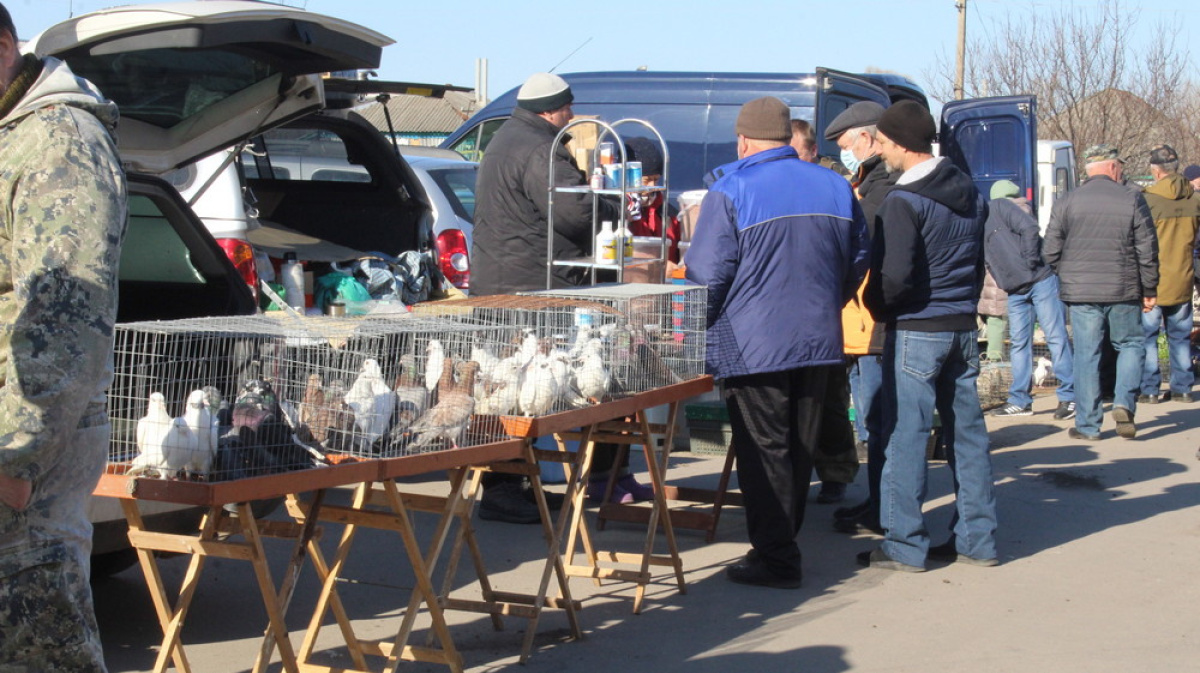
63, 210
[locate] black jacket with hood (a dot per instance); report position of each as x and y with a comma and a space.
927, 254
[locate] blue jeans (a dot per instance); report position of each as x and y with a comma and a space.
923, 371
866, 383
1124, 324
1178, 322
1041, 301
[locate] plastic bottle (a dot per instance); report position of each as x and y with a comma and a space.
293, 281
597, 178
626, 238
606, 244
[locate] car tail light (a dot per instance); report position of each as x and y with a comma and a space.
454, 257
242, 256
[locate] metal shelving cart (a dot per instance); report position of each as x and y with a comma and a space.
622, 190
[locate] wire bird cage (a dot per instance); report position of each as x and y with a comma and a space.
215, 399
569, 349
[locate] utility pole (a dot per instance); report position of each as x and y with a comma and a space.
962, 48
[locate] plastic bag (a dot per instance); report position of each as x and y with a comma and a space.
337, 286
410, 278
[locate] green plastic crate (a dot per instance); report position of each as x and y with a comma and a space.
707, 411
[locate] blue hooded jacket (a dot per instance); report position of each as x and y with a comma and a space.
782, 245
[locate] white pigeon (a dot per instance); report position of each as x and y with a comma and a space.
591, 375
162, 441
539, 387
435, 357
1041, 372
487, 364
372, 402
564, 380
203, 431
448, 418
530, 345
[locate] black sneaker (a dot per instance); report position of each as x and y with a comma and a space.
506, 502
863, 525
757, 573
1013, 410
853, 511
1065, 410
1074, 433
1125, 425
878, 559
948, 553
831, 492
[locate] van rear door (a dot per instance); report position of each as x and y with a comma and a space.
836, 91
993, 139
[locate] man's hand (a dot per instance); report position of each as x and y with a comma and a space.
1149, 303
15, 492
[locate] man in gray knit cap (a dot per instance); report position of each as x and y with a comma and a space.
508, 252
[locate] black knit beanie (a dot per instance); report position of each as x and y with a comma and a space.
909, 125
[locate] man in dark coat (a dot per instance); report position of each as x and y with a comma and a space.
512, 208
512, 213
1102, 244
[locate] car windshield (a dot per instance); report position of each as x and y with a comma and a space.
165, 86
458, 184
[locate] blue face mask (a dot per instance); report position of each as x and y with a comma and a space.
850, 161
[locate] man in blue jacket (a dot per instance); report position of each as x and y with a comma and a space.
926, 275
1013, 250
781, 245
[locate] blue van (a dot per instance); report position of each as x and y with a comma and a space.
994, 139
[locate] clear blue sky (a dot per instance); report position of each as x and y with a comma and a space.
439, 42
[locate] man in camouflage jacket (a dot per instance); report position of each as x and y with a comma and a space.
63, 208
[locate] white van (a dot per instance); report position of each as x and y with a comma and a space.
1056, 175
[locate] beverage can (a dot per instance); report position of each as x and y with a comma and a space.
633, 174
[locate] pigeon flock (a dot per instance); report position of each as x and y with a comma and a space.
421, 410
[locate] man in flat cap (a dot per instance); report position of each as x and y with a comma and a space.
1101, 243
1176, 216
856, 135
781, 245
926, 276
508, 251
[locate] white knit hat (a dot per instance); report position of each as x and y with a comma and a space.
544, 92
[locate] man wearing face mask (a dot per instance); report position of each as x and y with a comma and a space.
854, 131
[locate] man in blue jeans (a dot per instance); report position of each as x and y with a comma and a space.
1013, 249
1176, 214
925, 279
1102, 245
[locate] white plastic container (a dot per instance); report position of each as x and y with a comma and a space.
626, 243
606, 244
293, 281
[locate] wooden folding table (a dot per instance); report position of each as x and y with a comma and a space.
622, 420
380, 504
218, 524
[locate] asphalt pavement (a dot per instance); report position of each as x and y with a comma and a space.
1098, 544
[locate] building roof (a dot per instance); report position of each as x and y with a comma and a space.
420, 114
